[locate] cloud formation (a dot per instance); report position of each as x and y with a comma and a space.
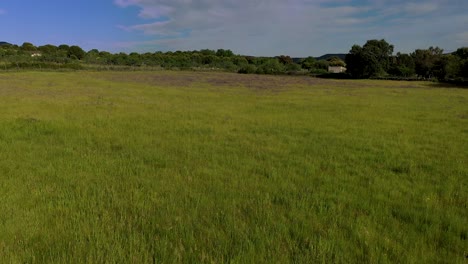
294, 27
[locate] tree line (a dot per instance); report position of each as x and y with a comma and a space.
64, 56
374, 59
74, 57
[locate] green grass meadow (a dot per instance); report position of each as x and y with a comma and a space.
193, 167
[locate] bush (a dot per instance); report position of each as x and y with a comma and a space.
248, 69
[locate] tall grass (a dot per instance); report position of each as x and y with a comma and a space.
172, 167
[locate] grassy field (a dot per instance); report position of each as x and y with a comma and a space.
171, 167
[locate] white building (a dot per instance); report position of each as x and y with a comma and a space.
336, 69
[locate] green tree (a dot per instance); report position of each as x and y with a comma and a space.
381, 50
28, 47
240, 61
285, 60
402, 65
224, 53
361, 64
207, 52
308, 63
292, 68
48, 49
76, 51
335, 61
440, 67
270, 66
448, 67
248, 69
462, 55
134, 59
64, 47
425, 59
320, 67
208, 59
372, 59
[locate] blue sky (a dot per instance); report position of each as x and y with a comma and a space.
254, 27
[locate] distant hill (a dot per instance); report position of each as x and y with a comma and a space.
327, 56
4, 43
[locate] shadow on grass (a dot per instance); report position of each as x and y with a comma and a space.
458, 85
461, 84
339, 76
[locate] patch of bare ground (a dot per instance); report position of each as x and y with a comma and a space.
463, 116
275, 83
219, 79
263, 82
175, 79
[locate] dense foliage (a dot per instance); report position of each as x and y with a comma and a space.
64, 56
374, 59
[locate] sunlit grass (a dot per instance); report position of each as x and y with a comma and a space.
214, 167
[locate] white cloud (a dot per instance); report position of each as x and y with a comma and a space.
273, 27
125, 3
155, 28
